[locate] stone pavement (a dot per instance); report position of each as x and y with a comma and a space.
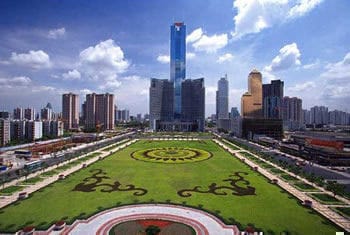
319, 207
6, 200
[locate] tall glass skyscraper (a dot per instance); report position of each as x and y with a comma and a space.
177, 62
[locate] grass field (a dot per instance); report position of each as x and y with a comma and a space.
267, 207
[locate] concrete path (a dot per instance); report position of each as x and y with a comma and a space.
322, 209
6, 200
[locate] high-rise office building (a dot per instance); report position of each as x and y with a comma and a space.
251, 102
17, 128
4, 114
99, 111
161, 102
222, 99
18, 113
272, 99
29, 114
193, 104
292, 113
46, 112
4, 131
177, 62
33, 130
319, 115
70, 111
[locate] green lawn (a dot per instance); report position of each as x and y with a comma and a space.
304, 186
270, 209
11, 189
32, 180
345, 211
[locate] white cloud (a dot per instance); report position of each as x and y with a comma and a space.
303, 7
254, 16
33, 59
302, 87
14, 82
103, 62
194, 36
225, 57
312, 65
72, 75
190, 55
164, 59
211, 44
56, 33
288, 56
339, 71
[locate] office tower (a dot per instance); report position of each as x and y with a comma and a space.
272, 99
161, 101
46, 112
70, 111
4, 131
99, 111
222, 99
177, 62
193, 104
33, 130
17, 128
251, 102
306, 117
319, 115
18, 113
4, 114
292, 114
29, 114
234, 112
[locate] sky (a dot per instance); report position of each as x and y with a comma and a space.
53, 47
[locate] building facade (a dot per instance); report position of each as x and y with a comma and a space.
292, 113
177, 62
251, 102
272, 99
4, 131
99, 111
34, 130
319, 115
29, 114
70, 111
222, 98
18, 113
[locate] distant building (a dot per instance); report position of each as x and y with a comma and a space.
222, 99
234, 112
251, 102
34, 130
272, 99
177, 63
18, 113
292, 114
122, 115
255, 127
52, 128
17, 129
306, 117
47, 112
99, 111
4, 114
161, 103
4, 131
337, 117
319, 115
29, 114
70, 111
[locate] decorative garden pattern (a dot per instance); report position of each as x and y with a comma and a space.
213, 188
171, 155
90, 184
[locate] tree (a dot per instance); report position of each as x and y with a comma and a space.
152, 230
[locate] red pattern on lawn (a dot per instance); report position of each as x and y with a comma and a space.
155, 222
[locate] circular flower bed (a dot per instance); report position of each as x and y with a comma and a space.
171, 155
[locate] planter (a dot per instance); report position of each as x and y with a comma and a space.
84, 165
61, 177
274, 181
59, 225
242, 159
307, 203
22, 195
28, 230
255, 168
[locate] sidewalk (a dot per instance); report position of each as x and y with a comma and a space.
322, 209
6, 200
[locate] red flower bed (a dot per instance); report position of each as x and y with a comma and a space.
155, 222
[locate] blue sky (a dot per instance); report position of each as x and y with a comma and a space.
51, 47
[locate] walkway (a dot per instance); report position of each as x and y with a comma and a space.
6, 200
322, 209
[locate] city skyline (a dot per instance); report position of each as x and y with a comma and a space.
47, 52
